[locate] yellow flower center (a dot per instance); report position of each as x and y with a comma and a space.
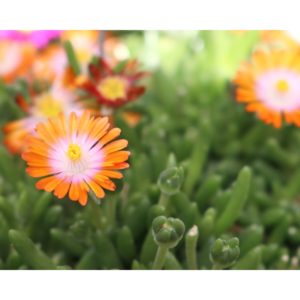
74, 152
282, 86
83, 56
48, 107
112, 88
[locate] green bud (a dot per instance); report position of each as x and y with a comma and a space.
170, 180
224, 253
167, 231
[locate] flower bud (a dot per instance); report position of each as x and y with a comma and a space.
167, 232
170, 180
224, 253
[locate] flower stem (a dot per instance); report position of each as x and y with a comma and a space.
160, 257
101, 41
163, 199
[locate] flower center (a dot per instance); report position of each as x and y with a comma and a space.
74, 152
282, 86
112, 88
48, 107
83, 55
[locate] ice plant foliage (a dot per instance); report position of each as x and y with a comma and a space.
49, 103
114, 88
269, 85
76, 155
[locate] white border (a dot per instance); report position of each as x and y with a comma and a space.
149, 285
154, 14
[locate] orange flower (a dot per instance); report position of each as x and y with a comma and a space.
15, 58
132, 118
49, 64
47, 104
280, 39
76, 155
270, 86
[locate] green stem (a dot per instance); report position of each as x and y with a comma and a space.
190, 248
163, 200
72, 57
160, 257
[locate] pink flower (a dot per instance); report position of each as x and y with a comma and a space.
39, 38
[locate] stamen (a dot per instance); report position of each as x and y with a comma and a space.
282, 86
113, 88
74, 152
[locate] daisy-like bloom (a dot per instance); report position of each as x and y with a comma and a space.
47, 104
38, 38
76, 155
15, 58
112, 88
270, 86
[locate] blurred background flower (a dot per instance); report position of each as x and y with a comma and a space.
38, 38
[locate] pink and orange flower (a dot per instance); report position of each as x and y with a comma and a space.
269, 86
49, 64
75, 155
49, 103
114, 88
15, 59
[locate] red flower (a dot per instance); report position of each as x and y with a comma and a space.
113, 87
